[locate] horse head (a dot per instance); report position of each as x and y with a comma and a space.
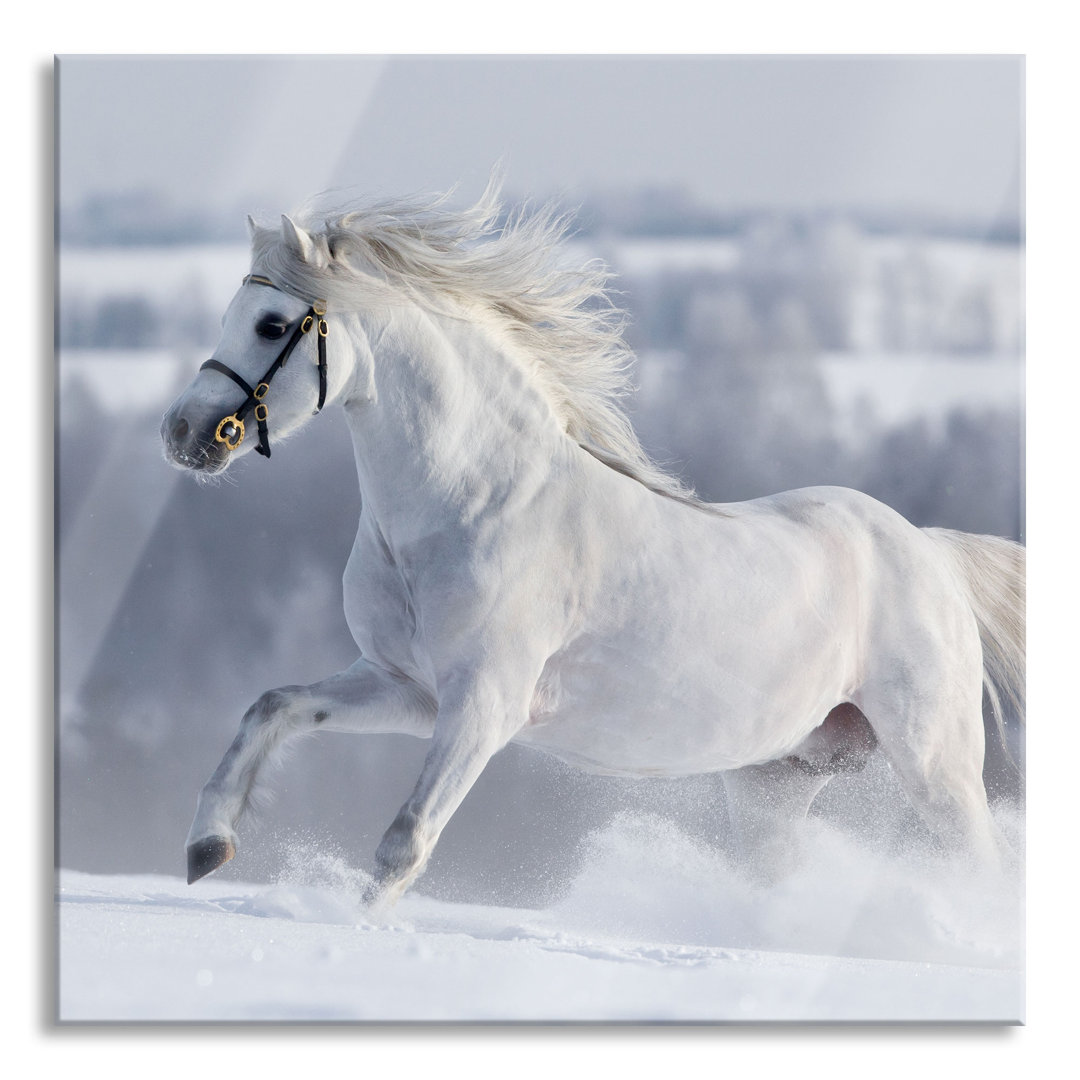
249, 386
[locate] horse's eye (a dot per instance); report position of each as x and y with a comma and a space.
271, 327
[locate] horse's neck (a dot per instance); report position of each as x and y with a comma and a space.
455, 423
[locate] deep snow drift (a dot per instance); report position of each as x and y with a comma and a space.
656, 926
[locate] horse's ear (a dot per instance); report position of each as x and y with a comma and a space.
298, 240
251, 227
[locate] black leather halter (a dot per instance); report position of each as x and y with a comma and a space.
230, 431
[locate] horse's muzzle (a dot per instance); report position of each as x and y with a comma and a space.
188, 448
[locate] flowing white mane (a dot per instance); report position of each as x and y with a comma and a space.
561, 318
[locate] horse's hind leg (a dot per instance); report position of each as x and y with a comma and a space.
765, 805
766, 802
360, 699
927, 716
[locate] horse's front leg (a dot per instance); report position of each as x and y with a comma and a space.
473, 724
363, 699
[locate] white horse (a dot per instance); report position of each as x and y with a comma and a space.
522, 572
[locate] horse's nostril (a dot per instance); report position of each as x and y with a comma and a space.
180, 430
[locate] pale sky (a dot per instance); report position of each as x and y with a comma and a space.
934, 133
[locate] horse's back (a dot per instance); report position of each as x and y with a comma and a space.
722, 635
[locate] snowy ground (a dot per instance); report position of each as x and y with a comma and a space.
655, 928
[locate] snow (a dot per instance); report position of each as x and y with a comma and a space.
656, 927
211, 271
876, 390
126, 381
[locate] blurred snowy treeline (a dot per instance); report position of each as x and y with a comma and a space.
179, 603
789, 281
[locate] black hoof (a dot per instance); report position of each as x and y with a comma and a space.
205, 856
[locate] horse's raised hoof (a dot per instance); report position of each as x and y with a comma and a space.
205, 856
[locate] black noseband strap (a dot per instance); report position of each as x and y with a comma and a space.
230, 431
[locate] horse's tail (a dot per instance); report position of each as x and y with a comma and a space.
994, 573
